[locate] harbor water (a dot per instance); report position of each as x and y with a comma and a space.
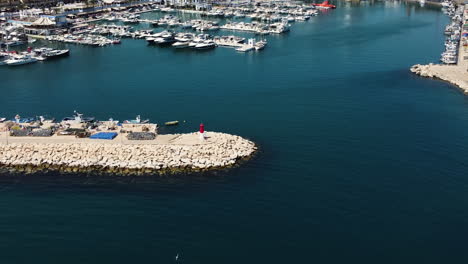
359, 161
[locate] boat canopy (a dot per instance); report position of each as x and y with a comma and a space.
43, 21
104, 135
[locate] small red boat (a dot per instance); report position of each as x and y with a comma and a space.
325, 4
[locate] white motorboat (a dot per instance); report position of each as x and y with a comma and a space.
111, 19
130, 21
186, 25
20, 60
136, 121
150, 40
167, 10
162, 23
164, 40
192, 44
40, 57
181, 44
77, 118
49, 53
184, 37
207, 44
173, 24
198, 40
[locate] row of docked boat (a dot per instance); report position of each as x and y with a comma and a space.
453, 33
77, 119
204, 41
84, 39
31, 56
167, 20
259, 28
119, 31
182, 40
239, 43
112, 30
256, 12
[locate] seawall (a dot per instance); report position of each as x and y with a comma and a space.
171, 152
456, 74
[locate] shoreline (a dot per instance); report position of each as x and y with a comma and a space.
456, 74
453, 74
167, 153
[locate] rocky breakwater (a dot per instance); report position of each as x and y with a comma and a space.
453, 74
182, 152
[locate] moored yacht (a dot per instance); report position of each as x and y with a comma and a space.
166, 38
198, 40
184, 37
207, 44
181, 44
137, 120
20, 60
77, 118
49, 53
186, 25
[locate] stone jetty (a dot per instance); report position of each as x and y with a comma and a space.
454, 74
168, 152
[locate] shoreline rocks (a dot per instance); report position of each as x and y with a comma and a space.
449, 73
222, 150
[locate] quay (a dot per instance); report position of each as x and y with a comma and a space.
128, 148
455, 67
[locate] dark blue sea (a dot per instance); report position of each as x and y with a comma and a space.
359, 161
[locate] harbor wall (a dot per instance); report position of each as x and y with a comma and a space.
186, 152
456, 74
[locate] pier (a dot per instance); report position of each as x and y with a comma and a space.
166, 152
83, 143
455, 73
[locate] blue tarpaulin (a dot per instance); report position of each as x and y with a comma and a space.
104, 135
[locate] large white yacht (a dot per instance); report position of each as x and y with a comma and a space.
181, 44
20, 60
207, 44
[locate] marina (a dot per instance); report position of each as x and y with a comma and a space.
455, 57
31, 56
107, 27
353, 148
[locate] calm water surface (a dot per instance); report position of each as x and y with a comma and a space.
359, 161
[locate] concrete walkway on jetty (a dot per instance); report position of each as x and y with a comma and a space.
172, 139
